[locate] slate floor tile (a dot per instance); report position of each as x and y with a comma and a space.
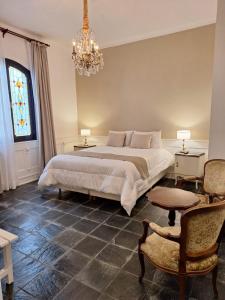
67, 220
133, 266
21, 295
98, 216
77, 291
52, 203
97, 275
85, 226
150, 212
39, 200
52, 215
48, 253
81, 211
114, 255
50, 231
19, 194
135, 227
47, 284
66, 207
117, 221
71, 263
69, 237
90, 246
104, 232
31, 243
126, 286
105, 297
25, 270
127, 240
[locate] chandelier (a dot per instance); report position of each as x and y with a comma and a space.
87, 57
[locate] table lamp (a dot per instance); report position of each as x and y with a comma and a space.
184, 135
85, 133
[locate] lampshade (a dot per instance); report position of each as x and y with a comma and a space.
183, 134
85, 132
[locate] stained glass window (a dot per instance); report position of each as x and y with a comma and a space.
22, 104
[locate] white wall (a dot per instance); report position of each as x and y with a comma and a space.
217, 125
64, 105
62, 80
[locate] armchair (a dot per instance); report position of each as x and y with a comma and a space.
186, 250
213, 181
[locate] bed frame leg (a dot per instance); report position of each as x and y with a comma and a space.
60, 194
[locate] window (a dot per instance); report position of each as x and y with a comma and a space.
22, 101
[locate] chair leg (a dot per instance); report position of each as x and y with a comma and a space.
60, 194
182, 284
142, 263
214, 278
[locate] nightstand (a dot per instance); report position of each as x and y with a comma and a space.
191, 164
80, 147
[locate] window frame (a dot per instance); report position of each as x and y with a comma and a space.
26, 72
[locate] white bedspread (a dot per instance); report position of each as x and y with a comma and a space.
105, 175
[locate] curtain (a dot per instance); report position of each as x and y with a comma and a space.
40, 70
7, 151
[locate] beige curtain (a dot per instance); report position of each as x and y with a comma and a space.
42, 86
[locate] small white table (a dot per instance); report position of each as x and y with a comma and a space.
191, 164
6, 238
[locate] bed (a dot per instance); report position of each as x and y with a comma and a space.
105, 177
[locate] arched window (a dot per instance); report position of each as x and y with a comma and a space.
22, 101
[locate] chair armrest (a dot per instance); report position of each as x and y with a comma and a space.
170, 233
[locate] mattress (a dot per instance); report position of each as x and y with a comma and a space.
106, 175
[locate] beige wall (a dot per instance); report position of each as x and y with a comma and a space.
160, 83
217, 126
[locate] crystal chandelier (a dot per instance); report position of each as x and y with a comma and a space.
87, 57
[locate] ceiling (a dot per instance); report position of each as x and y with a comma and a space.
114, 21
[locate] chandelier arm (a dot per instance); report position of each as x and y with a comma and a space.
85, 16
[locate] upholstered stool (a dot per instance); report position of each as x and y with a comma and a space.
6, 238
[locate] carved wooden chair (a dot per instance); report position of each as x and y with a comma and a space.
213, 181
186, 250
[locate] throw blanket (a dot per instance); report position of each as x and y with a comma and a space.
139, 162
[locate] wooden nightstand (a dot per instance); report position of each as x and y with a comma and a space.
191, 164
80, 147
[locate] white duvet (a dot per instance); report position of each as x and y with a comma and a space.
105, 175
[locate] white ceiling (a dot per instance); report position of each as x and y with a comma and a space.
114, 21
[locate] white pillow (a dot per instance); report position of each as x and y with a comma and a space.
128, 138
156, 141
141, 140
116, 139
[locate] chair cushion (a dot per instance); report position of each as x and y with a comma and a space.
204, 199
165, 254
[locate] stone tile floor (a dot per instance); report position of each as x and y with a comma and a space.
79, 249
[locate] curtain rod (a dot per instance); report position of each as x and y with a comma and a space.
6, 30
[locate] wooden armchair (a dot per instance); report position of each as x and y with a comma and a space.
213, 181
186, 250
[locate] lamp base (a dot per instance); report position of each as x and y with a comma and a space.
85, 142
184, 151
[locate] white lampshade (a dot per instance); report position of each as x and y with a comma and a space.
183, 134
85, 132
